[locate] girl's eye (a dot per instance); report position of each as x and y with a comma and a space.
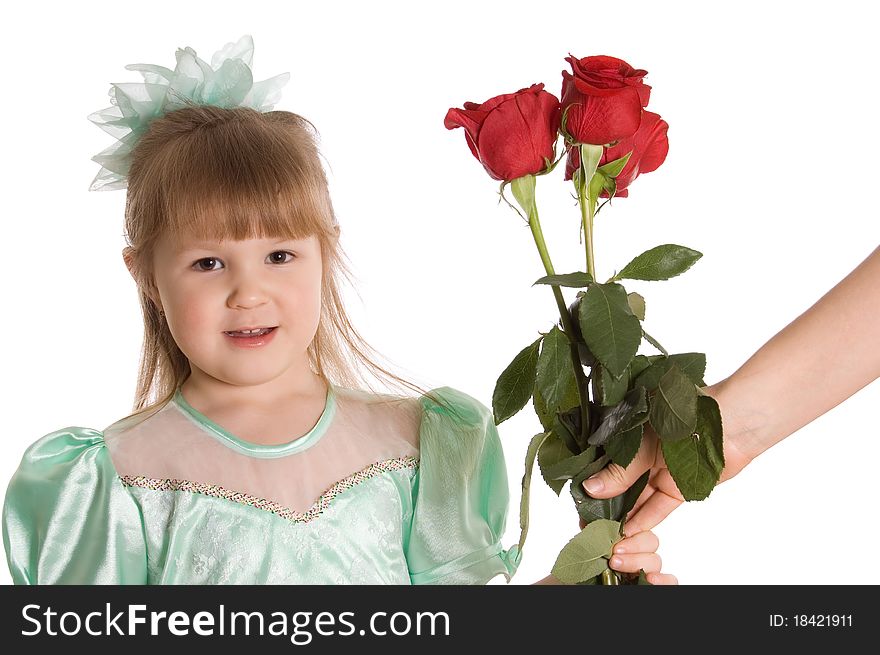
273, 259
282, 252
206, 259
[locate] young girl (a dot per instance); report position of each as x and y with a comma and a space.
253, 454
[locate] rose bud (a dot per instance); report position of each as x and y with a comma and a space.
604, 98
512, 135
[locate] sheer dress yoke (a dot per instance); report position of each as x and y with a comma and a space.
382, 489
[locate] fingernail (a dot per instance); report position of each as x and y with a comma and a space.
619, 549
593, 484
616, 561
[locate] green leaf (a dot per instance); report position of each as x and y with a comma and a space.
636, 304
622, 447
555, 375
695, 463
516, 383
631, 495
674, 406
613, 168
571, 399
591, 468
611, 390
599, 182
692, 365
565, 430
610, 329
586, 554
587, 358
531, 454
660, 263
614, 509
552, 451
628, 413
567, 468
544, 415
577, 279
610, 187
592, 509
637, 365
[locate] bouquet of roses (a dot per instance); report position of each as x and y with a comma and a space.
594, 396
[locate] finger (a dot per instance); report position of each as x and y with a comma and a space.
613, 480
656, 508
648, 491
642, 499
662, 578
632, 562
666, 484
641, 542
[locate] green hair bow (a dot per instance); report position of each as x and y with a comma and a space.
227, 82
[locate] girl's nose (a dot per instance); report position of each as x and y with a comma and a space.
248, 290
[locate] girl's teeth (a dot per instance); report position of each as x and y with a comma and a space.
250, 333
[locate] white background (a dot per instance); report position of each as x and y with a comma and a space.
771, 174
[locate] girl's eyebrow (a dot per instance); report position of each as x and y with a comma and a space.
210, 245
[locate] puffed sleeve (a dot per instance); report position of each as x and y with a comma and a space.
67, 518
460, 495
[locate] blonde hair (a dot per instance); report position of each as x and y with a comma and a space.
232, 174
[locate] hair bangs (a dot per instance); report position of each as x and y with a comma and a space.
228, 182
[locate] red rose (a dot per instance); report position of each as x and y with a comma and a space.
510, 134
649, 145
604, 97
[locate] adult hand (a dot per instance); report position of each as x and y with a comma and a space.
661, 495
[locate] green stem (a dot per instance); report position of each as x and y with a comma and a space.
610, 577
588, 211
654, 343
537, 233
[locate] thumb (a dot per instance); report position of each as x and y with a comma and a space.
613, 480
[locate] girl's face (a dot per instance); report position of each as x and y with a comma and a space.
207, 289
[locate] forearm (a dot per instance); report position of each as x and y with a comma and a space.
820, 359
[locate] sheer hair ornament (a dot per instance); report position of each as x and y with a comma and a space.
227, 82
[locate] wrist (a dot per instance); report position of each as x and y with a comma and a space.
741, 425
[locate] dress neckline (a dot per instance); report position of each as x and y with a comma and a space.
261, 450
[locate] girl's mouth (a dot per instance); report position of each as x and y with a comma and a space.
257, 339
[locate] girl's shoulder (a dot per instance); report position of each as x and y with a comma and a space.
62, 502
444, 410
65, 445
449, 400
455, 404
454, 422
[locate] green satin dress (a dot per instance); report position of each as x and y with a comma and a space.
175, 498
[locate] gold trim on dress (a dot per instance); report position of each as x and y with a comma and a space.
323, 501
